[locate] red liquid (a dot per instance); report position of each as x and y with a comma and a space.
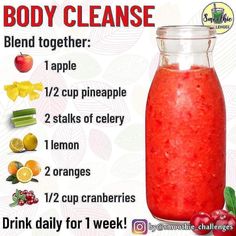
185, 143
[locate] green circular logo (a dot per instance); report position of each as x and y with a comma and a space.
220, 15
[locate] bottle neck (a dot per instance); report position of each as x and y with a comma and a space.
186, 52
185, 61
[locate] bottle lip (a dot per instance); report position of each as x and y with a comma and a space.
186, 32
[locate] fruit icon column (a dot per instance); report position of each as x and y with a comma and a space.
26, 173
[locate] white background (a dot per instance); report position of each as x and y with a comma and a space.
115, 155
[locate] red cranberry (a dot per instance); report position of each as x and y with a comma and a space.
30, 202
201, 221
36, 200
227, 227
29, 196
219, 215
21, 203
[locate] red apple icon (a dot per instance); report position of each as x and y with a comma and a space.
23, 62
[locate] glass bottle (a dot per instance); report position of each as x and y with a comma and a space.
185, 127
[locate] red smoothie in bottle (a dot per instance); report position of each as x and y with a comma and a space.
185, 142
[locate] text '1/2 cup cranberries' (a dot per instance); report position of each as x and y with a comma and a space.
202, 223
225, 226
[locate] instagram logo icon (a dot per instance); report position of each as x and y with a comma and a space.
139, 226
